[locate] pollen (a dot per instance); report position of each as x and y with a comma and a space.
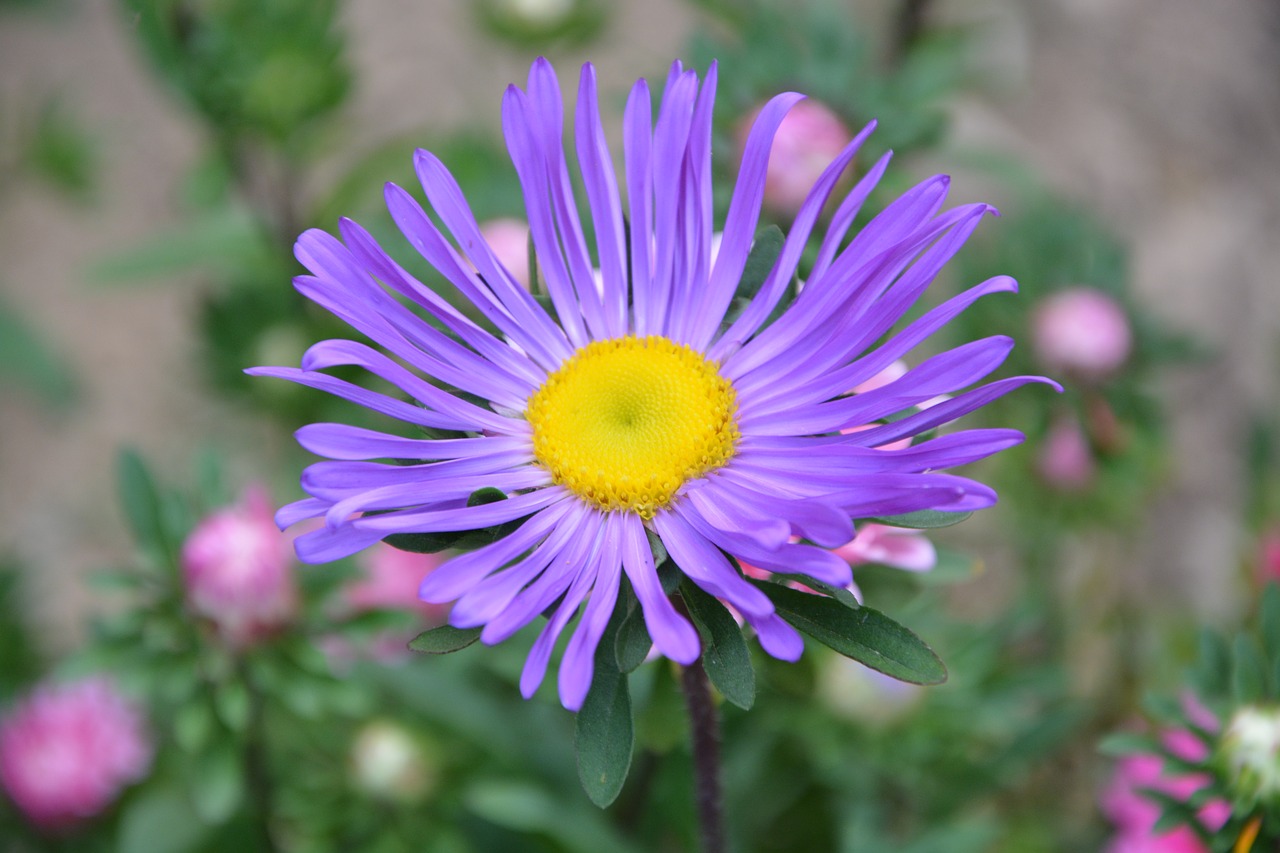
624, 423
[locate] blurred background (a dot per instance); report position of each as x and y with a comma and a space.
157, 158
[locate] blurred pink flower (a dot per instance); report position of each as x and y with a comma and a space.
809, 138
238, 570
1269, 556
68, 750
1081, 331
509, 240
390, 581
1135, 815
1066, 460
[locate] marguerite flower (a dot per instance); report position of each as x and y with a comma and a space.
642, 404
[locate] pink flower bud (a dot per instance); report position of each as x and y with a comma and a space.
809, 138
1081, 331
1066, 461
68, 750
391, 580
1269, 556
238, 571
509, 241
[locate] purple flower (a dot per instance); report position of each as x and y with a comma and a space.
66, 751
808, 139
238, 572
643, 404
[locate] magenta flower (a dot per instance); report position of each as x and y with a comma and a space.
1066, 460
68, 750
1082, 331
641, 406
808, 139
1134, 814
508, 239
238, 571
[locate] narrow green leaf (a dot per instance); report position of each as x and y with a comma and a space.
760, 261
1248, 674
233, 705
605, 732
659, 550
924, 519
1270, 620
217, 783
142, 504
443, 640
724, 650
432, 543
866, 635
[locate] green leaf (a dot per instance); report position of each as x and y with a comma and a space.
924, 519
724, 650
226, 240
443, 640
1270, 620
217, 783
193, 725
1120, 744
633, 643
27, 359
1248, 673
866, 635
160, 821
233, 705
760, 261
143, 505
605, 732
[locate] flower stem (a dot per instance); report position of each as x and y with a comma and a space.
704, 726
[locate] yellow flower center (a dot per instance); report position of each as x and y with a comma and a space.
625, 422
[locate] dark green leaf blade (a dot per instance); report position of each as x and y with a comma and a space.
866, 635
605, 732
760, 261
443, 640
924, 519
633, 642
725, 656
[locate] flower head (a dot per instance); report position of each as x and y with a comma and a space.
640, 405
1250, 755
66, 751
1082, 331
238, 571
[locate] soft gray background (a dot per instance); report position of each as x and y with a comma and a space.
1165, 114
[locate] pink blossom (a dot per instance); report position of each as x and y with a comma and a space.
509, 240
1081, 331
1269, 556
1066, 460
809, 138
68, 750
390, 581
1135, 815
238, 569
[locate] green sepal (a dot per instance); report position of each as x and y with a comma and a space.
633, 641
865, 635
466, 540
924, 519
725, 656
604, 735
443, 640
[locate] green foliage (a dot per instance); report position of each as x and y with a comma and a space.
444, 640
605, 733
28, 361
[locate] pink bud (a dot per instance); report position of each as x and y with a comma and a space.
1269, 556
509, 241
1081, 331
1066, 461
238, 570
68, 750
391, 580
809, 138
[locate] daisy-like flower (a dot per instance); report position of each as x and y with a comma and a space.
645, 401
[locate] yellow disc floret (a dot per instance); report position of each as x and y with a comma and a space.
625, 422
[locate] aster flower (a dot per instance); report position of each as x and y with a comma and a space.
237, 571
649, 403
68, 750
